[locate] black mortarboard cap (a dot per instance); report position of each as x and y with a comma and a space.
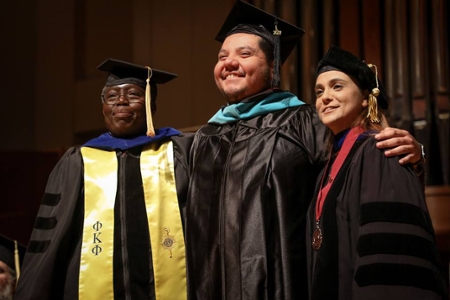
122, 72
7, 252
244, 13
350, 64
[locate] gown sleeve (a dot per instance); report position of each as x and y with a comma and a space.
56, 233
395, 254
181, 148
314, 135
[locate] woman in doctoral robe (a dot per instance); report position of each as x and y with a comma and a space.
369, 233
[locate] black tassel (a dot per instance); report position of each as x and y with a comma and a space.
276, 56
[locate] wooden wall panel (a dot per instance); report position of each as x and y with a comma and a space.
440, 88
109, 33
349, 24
269, 5
418, 74
440, 47
96, 39
389, 60
400, 63
18, 72
23, 176
141, 31
206, 19
372, 42
419, 53
287, 11
328, 36
55, 74
80, 12
309, 53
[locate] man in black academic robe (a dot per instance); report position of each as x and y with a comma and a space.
57, 266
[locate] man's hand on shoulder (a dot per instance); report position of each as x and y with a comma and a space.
400, 142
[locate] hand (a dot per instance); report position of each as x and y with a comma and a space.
399, 142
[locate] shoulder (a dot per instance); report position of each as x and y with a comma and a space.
71, 156
184, 139
383, 174
303, 112
369, 152
294, 118
182, 144
369, 164
215, 129
302, 119
368, 155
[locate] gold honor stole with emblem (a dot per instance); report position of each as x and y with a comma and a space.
164, 222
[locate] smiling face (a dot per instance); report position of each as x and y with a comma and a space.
242, 69
339, 100
124, 118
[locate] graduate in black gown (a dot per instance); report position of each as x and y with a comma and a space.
369, 234
110, 222
253, 170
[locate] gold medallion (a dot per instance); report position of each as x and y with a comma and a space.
317, 237
168, 241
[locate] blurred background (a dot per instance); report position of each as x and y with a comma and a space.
51, 92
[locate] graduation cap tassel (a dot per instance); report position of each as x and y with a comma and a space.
276, 52
148, 105
16, 261
373, 105
373, 108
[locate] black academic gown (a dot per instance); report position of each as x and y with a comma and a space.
251, 184
378, 239
51, 265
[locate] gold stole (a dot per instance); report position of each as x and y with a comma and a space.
100, 186
164, 219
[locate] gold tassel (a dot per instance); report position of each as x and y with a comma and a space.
372, 114
148, 105
16, 261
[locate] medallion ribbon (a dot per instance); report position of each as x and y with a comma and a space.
350, 139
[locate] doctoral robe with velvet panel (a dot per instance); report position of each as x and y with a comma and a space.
378, 239
52, 263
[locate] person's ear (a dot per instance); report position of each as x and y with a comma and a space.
365, 103
271, 65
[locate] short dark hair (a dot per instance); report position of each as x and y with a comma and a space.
266, 38
267, 48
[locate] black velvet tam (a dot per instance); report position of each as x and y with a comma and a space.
348, 63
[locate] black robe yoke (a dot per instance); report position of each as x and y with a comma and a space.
52, 262
378, 239
251, 184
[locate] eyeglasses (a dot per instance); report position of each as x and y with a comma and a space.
112, 97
